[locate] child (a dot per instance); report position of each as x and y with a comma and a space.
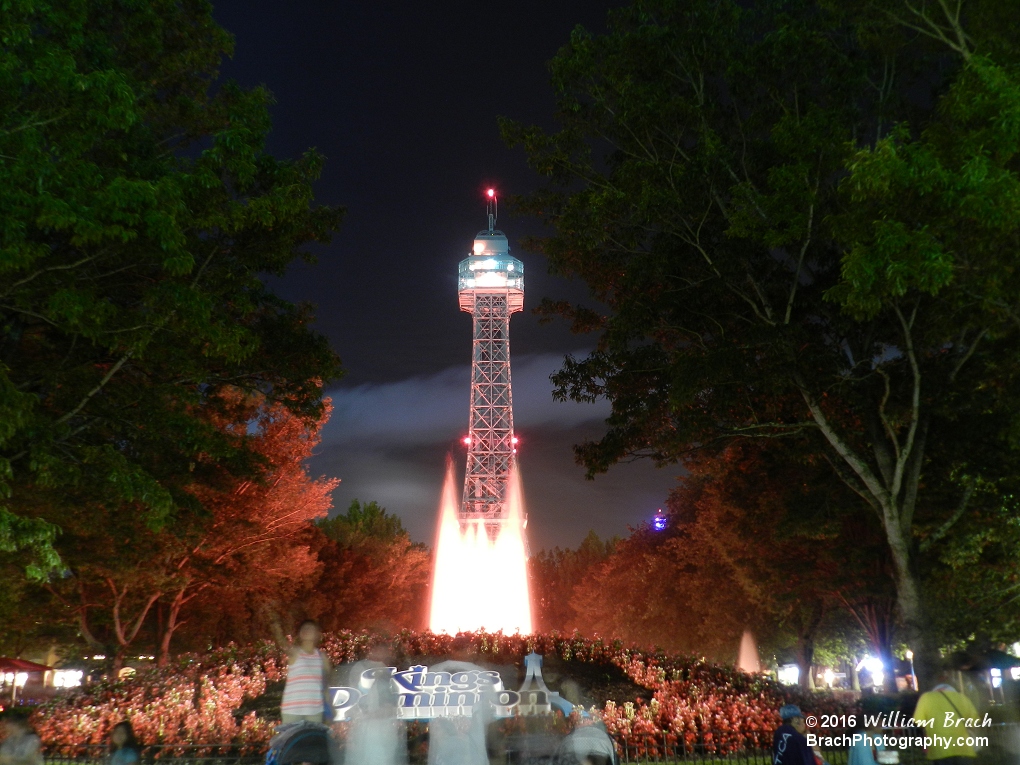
124, 748
308, 670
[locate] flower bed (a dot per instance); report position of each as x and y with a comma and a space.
199, 698
193, 701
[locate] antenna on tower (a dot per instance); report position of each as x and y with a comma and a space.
491, 208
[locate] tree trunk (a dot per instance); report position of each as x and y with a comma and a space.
915, 619
889, 676
125, 630
171, 624
893, 493
805, 660
877, 616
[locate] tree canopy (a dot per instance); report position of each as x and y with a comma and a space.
373, 575
141, 213
798, 221
123, 584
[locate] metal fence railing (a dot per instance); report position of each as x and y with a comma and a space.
662, 749
541, 748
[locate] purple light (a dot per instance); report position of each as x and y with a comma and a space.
659, 522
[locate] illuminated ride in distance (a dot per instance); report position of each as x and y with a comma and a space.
480, 580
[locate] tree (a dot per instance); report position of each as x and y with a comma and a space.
373, 575
652, 592
255, 543
111, 578
973, 577
141, 211
756, 538
798, 544
792, 242
556, 574
259, 543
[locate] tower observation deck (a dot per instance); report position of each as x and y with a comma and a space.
491, 289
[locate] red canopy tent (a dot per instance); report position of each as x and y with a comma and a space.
19, 665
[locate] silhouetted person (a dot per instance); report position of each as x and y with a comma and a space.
865, 751
460, 740
587, 745
944, 705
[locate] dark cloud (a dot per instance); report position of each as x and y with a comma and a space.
388, 443
434, 408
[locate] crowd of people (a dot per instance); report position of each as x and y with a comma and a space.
374, 740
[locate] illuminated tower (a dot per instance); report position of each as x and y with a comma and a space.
480, 575
491, 289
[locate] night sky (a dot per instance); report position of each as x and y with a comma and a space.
402, 99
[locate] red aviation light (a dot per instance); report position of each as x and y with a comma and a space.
514, 440
491, 192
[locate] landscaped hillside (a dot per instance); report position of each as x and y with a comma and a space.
231, 695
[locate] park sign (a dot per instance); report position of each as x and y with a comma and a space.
424, 694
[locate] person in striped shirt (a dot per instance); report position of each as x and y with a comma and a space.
308, 671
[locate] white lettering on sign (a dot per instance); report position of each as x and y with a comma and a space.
423, 695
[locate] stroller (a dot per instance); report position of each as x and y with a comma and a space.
587, 745
302, 742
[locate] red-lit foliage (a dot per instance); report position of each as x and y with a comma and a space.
191, 701
758, 536
373, 577
259, 542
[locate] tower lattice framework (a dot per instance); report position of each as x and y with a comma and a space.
491, 289
491, 424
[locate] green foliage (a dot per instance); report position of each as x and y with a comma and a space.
141, 211
974, 575
373, 575
362, 521
923, 214
30, 618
